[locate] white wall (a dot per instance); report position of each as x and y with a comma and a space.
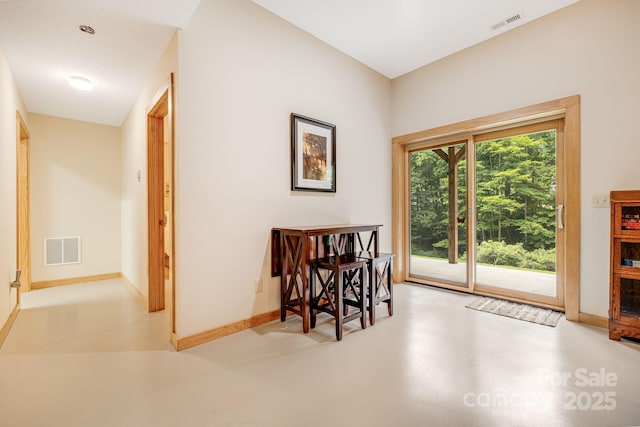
75, 191
10, 101
242, 72
591, 49
134, 157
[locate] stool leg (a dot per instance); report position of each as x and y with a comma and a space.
372, 291
338, 305
312, 298
390, 286
362, 288
345, 307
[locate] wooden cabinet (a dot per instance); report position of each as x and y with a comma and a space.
624, 292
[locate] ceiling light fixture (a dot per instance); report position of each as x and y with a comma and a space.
81, 83
87, 29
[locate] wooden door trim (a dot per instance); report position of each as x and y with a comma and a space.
23, 245
536, 113
162, 106
155, 197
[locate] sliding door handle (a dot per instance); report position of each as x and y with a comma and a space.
560, 209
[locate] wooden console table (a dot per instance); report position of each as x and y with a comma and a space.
293, 247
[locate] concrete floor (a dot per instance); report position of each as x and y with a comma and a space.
519, 280
89, 355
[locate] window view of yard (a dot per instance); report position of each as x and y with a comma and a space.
515, 213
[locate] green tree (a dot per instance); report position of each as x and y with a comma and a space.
430, 203
515, 196
515, 199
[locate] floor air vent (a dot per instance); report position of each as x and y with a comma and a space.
61, 250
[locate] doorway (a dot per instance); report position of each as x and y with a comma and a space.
23, 257
160, 186
482, 206
516, 183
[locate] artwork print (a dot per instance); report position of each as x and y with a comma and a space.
313, 156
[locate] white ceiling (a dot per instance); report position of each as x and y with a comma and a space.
397, 36
44, 46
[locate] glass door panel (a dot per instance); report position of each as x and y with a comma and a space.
516, 215
438, 211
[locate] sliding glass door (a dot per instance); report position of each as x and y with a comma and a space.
511, 182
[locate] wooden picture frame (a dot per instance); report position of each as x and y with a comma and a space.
313, 155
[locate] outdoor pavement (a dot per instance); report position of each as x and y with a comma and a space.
500, 277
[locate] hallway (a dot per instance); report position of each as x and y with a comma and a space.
89, 355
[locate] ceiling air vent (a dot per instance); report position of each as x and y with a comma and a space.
512, 19
509, 20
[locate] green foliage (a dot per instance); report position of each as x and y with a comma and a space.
540, 259
500, 253
514, 197
515, 201
429, 200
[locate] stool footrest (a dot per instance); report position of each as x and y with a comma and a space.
342, 261
368, 255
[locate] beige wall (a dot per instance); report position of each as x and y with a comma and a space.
10, 101
133, 134
242, 72
75, 191
589, 49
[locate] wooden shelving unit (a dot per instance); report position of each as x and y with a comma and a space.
624, 287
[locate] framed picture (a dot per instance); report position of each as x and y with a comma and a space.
313, 155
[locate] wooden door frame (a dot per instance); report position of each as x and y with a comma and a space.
162, 107
567, 108
23, 244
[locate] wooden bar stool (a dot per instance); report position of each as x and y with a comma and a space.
380, 286
343, 287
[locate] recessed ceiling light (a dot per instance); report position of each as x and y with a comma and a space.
87, 29
80, 83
